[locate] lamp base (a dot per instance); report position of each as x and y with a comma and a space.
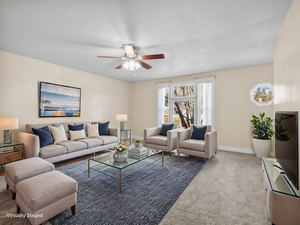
7, 137
121, 125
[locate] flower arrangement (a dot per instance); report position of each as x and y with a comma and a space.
138, 141
120, 148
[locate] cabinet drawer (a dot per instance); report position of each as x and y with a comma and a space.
10, 157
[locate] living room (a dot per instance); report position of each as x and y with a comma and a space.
268, 56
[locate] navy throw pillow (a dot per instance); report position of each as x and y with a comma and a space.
75, 127
198, 132
103, 128
165, 128
44, 135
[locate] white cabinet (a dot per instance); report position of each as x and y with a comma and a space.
283, 202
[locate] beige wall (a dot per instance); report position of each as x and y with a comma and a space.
287, 64
233, 108
101, 97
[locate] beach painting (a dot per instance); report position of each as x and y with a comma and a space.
59, 100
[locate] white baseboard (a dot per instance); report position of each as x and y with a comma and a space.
235, 149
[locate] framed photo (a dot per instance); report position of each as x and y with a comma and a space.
262, 94
57, 100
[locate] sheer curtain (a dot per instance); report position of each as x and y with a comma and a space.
160, 108
207, 104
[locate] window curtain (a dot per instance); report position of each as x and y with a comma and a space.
207, 104
161, 99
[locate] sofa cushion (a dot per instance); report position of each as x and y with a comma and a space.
103, 128
73, 146
42, 190
24, 169
165, 128
199, 132
193, 144
77, 134
44, 135
66, 127
58, 134
30, 126
208, 129
93, 130
84, 126
157, 140
52, 150
91, 142
108, 139
75, 127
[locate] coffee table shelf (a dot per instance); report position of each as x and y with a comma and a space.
105, 164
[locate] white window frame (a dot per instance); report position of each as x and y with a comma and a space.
196, 98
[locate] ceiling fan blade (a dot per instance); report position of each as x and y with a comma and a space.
120, 66
157, 56
111, 57
129, 50
145, 65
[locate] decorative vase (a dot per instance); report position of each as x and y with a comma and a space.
261, 147
138, 145
120, 156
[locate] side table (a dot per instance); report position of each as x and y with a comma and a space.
11, 152
125, 136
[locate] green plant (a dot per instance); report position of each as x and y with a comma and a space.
138, 141
262, 127
121, 148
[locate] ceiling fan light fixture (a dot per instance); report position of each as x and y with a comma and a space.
131, 65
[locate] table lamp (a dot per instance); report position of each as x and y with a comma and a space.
121, 118
7, 124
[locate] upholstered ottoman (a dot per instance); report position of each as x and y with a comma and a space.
46, 195
24, 169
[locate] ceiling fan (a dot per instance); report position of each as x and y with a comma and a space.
133, 59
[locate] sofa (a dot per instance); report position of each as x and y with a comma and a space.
66, 149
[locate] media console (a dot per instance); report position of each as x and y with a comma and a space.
282, 199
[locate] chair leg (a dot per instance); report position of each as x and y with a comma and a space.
207, 159
13, 195
73, 209
169, 153
7, 187
216, 152
18, 209
178, 155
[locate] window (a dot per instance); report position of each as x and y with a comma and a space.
186, 103
262, 94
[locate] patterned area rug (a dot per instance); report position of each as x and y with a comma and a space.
147, 195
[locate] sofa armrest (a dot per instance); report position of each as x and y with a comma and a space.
150, 132
31, 144
182, 135
115, 132
172, 139
211, 143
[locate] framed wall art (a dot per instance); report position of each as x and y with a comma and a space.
57, 100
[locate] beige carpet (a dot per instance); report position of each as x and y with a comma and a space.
227, 191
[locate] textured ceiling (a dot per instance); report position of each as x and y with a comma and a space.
195, 35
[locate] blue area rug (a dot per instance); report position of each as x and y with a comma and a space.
147, 195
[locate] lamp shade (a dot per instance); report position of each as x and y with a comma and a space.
9, 123
121, 117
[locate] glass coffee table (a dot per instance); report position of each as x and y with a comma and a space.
105, 164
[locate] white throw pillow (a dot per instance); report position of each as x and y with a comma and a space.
92, 130
78, 134
58, 134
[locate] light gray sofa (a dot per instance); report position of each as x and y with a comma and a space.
66, 149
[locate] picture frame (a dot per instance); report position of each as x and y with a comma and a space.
56, 100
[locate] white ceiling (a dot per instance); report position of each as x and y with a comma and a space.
195, 35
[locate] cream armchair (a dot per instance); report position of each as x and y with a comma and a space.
200, 148
168, 143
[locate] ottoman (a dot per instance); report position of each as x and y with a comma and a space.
46, 195
24, 169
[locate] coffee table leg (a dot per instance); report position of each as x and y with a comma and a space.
120, 181
89, 168
162, 158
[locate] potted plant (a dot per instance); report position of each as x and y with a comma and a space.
120, 153
263, 132
138, 143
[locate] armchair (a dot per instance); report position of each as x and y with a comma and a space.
200, 148
168, 143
